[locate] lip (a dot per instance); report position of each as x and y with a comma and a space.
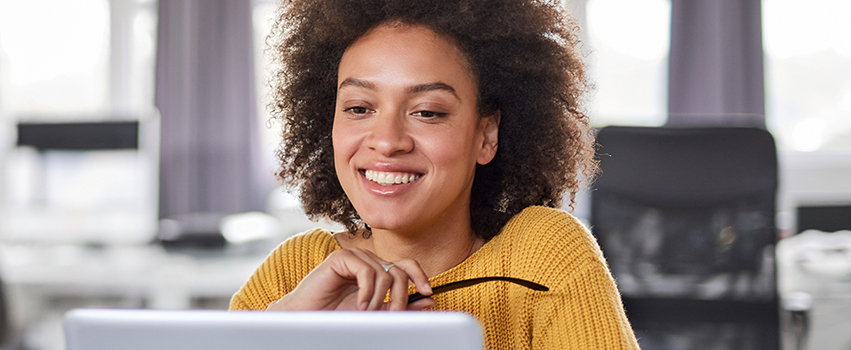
391, 190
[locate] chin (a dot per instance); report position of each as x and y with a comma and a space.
380, 215
384, 224
390, 221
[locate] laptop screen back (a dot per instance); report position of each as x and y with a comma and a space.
95, 329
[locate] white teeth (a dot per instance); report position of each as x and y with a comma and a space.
388, 178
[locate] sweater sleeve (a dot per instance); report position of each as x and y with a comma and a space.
583, 309
586, 314
283, 269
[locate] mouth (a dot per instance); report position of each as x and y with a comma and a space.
387, 178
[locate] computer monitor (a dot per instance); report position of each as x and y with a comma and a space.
109, 329
86, 182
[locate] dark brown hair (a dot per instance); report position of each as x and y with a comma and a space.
523, 55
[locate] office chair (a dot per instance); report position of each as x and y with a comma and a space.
685, 218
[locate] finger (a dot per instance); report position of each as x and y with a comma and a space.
371, 258
398, 285
399, 290
366, 287
353, 265
422, 304
382, 279
415, 274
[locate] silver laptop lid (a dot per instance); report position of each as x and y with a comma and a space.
100, 329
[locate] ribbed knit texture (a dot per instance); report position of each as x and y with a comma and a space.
582, 309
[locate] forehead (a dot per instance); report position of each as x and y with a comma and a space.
404, 51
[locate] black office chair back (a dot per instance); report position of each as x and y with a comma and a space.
685, 218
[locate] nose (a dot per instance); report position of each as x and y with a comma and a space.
388, 135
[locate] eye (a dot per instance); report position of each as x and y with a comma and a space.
356, 110
429, 114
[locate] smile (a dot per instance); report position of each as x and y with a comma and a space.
390, 178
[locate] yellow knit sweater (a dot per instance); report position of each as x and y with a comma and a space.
582, 309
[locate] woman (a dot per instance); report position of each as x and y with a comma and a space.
439, 133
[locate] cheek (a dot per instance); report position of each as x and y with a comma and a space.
346, 141
453, 149
341, 145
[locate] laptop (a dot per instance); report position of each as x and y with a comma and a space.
125, 329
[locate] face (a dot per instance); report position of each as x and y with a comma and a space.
407, 135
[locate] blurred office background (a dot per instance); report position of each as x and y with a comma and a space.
179, 213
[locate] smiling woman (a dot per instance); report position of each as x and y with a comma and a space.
439, 132
411, 115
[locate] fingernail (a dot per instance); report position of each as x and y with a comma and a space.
428, 287
364, 305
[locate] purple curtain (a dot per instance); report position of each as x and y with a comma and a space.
205, 92
716, 64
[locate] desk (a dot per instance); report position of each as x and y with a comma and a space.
145, 273
819, 264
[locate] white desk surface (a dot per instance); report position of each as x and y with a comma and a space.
819, 264
166, 280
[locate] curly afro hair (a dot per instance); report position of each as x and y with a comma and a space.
523, 55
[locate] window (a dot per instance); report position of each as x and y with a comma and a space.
627, 59
72, 60
808, 73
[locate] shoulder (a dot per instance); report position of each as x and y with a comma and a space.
535, 218
547, 241
583, 308
317, 242
301, 253
542, 228
284, 268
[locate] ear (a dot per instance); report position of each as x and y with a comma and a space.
490, 130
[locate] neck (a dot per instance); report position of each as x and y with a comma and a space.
434, 253
437, 246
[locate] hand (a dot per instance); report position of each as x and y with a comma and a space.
354, 279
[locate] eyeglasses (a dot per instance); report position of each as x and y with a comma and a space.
473, 281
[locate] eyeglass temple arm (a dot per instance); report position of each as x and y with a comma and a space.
473, 281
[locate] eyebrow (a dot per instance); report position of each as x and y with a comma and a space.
436, 86
356, 83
